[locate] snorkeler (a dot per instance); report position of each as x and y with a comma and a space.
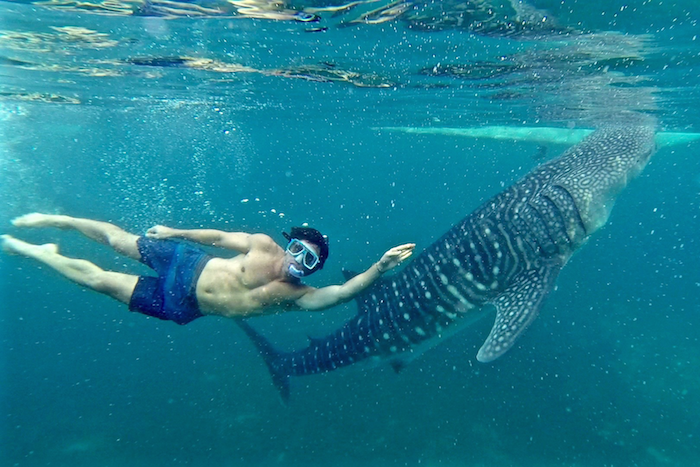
264, 278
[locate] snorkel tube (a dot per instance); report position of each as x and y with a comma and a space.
295, 272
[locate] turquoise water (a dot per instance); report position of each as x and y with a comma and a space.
157, 114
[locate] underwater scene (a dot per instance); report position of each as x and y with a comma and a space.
496, 135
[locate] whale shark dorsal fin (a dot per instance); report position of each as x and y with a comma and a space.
314, 340
347, 274
363, 299
516, 308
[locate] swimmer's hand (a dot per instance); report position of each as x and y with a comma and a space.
394, 257
160, 232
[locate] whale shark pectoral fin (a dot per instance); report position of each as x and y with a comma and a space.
516, 308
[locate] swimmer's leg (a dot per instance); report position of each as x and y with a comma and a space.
114, 284
109, 234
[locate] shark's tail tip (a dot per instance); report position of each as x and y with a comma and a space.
272, 357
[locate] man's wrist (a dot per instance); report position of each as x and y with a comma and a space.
379, 268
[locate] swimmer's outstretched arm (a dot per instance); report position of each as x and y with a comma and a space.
326, 297
238, 241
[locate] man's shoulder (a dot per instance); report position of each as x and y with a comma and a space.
260, 240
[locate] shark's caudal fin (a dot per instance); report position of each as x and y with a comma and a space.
271, 357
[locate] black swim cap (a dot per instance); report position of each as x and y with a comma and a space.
312, 236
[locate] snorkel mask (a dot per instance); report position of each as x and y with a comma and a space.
304, 256
306, 260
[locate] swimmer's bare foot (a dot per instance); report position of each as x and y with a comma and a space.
17, 247
37, 219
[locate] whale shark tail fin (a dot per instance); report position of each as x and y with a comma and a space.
272, 358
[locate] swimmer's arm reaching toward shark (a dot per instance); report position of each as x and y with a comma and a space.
238, 241
326, 297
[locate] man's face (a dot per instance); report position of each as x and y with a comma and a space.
302, 258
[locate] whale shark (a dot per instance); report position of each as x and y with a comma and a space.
506, 255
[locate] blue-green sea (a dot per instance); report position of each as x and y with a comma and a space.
258, 115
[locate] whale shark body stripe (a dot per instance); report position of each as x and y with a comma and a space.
507, 253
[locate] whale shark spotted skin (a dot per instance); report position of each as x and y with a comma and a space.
506, 254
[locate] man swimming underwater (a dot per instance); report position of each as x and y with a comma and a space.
264, 278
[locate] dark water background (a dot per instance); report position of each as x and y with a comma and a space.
608, 375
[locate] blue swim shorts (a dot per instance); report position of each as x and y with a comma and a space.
173, 294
